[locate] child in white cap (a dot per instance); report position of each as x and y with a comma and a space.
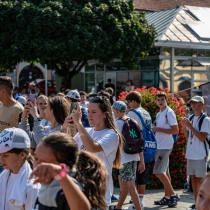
17, 191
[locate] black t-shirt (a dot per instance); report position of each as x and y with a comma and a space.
110, 85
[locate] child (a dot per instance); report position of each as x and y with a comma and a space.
203, 198
55, 155
17, 192
103, 139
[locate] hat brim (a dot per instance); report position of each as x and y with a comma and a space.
197, 101
5, 149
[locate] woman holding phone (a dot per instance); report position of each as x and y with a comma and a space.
103, 139
56, 112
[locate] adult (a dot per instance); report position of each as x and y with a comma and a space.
129, 161
10, 109
134, 102
103, 139
56, 112
129, 85
109, 84
37, 90
197, 148
166, 125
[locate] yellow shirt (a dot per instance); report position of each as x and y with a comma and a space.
9, 115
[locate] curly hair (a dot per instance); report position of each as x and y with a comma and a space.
91, 172
60, 107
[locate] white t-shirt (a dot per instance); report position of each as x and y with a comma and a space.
84, 105
195, 148
32, 193
164, 140
126, 158
108, 140
145, 115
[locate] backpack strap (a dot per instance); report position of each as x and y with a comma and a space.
199, 127
141, 118
191, 117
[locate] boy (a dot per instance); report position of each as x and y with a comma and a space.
166, 125
134, 102
196, 154
129, 161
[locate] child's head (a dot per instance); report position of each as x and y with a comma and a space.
161, 99
100, 112
14, 149
119, 109
134, 99
57, 148
58, 108
61, 148
203, 198
83, 96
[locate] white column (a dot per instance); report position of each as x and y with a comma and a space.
172, 72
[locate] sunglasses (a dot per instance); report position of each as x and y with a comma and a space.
97, 99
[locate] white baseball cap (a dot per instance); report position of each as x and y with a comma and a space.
197, 99
11, 138
73, 94
22, 100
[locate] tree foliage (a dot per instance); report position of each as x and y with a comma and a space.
65, 34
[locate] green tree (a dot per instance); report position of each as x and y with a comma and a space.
65, 34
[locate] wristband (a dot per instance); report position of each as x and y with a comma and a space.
37, 119
65, 169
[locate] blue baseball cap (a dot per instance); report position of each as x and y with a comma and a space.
119, 105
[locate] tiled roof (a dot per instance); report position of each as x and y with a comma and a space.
152, 5
178, 24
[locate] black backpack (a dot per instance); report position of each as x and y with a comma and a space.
134, 142
202, 117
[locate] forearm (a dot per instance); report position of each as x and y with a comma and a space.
39, 132
86, 139
74, 196
168, 131
186, 133
141, 155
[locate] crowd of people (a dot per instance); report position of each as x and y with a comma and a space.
58, 152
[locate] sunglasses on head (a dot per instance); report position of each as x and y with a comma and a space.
96, 99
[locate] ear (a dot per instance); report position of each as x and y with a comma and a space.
23, 155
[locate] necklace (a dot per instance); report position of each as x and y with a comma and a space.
191, 133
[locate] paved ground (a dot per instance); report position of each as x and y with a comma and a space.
186, 199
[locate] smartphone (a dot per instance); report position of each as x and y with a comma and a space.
32, 98
73, 106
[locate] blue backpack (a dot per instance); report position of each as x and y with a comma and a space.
150, 142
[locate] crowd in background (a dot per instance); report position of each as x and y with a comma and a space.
58, 152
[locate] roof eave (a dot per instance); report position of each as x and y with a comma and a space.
191, 45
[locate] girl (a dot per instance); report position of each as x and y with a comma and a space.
103, 139
56, 112
203, 198
55, 155
17, 192
42, 102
